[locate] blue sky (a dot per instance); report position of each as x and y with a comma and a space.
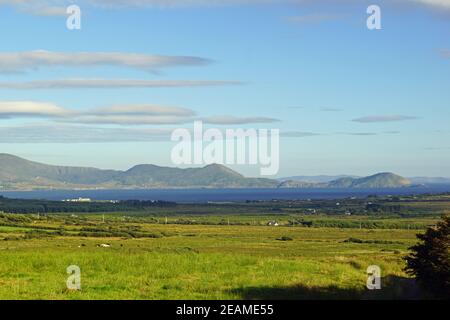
357, 101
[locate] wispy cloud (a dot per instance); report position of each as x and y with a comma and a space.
134, 114
31, 60
45, 11
144, 110
11, 109
330, 109
56, 7
127, 114
44, 133
442, 4
231, 120
358, 133
127, 119
151, 114
179, 3
122, 114
445, 53
112, 84
46, 8
384, 118
298, 134
437, 148
79, 134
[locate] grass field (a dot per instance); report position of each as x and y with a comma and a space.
155, 258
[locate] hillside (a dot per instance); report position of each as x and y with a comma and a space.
379, 180
17, 173
20, 174
315, 179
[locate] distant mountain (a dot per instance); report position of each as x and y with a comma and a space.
17, 173
379, 180
430, 180
213, 175
20, 174
316, 179
301, 184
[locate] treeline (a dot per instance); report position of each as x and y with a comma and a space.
355, 224
383, 208
46, 206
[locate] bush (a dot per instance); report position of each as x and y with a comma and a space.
284, 238
356, 240
429, 261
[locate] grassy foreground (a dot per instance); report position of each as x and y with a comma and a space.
172, 261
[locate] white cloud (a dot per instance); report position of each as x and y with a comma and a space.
444, 4
111, 84
56, 7
115, 114
31, 60
123, 114
9, 109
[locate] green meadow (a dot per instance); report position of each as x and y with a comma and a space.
210, 257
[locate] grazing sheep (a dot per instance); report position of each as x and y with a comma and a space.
104, 245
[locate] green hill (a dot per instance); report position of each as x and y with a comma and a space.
379, 180
18, 173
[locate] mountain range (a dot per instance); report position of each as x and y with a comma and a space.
20, 174
316, 179
325, 178
379, 180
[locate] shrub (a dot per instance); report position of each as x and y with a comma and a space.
284, 238
354, 240
429, 261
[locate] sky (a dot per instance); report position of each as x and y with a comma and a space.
346, 99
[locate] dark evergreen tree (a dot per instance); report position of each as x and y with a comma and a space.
429, 261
